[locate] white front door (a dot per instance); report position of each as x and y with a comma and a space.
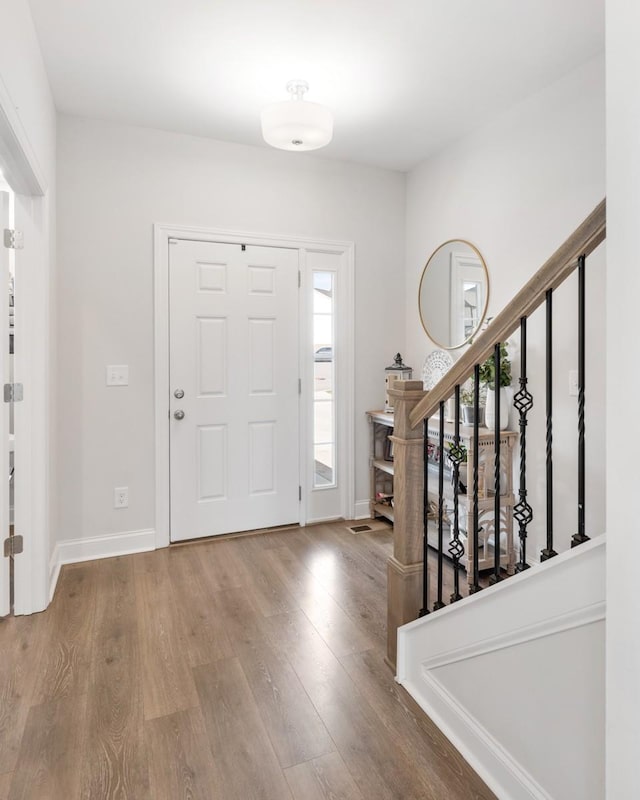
233, 371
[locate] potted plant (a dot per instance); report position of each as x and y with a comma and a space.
488, 378
467, 404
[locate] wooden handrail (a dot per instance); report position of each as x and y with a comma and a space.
562, 263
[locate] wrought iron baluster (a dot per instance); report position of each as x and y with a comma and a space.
580, 537
425, 513
456, 456
523, 402
497, 468
549, 552
439, 604
475, 586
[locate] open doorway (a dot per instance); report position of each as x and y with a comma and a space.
25, 246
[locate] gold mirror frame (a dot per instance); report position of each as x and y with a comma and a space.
486, 300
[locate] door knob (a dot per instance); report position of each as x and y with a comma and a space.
179, 394
179, 414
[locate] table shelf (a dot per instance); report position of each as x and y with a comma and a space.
384, 466
382, 477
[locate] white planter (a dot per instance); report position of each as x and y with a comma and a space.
490, 408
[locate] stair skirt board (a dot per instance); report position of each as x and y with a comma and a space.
493, 631
500, 771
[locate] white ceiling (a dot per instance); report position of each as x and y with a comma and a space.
402, 77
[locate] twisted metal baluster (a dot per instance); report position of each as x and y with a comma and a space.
439, 604
425, 513
580, 537
523, 402
548, 551
495, 578
456, 456
475, 586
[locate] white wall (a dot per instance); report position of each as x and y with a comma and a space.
32, 116
114, 183
623, 387
516, 189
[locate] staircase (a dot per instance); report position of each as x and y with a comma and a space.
514, 672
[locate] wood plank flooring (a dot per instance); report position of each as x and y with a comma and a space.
248, 668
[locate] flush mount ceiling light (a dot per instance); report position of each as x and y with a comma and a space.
296, 124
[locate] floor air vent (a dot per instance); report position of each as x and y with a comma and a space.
374, 525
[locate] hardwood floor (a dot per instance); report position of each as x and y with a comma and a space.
248, 668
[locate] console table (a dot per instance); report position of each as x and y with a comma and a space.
381, 500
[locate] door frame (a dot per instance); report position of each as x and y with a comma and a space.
34, 579
5, 488
346, 379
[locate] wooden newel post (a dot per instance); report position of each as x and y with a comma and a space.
404, 568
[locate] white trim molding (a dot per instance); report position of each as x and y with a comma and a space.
74, 551
492, 762
18, 159
489, 758
575, 618
521, 622
32, 206
362, 509
162, 234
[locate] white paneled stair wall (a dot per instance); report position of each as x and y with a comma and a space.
514, 676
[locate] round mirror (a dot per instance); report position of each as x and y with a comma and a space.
453, 295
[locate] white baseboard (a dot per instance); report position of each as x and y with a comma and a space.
362, 510
73, 551
322, 520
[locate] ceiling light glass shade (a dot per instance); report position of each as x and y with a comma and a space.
296, 124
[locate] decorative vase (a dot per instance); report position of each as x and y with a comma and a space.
490, 408
468, 415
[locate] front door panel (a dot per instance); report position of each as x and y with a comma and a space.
234, 354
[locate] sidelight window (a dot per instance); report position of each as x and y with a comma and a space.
324, 416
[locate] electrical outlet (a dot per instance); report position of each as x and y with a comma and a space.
118, 375
121, 497
573, 383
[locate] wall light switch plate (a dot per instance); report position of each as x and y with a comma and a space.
118, 375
